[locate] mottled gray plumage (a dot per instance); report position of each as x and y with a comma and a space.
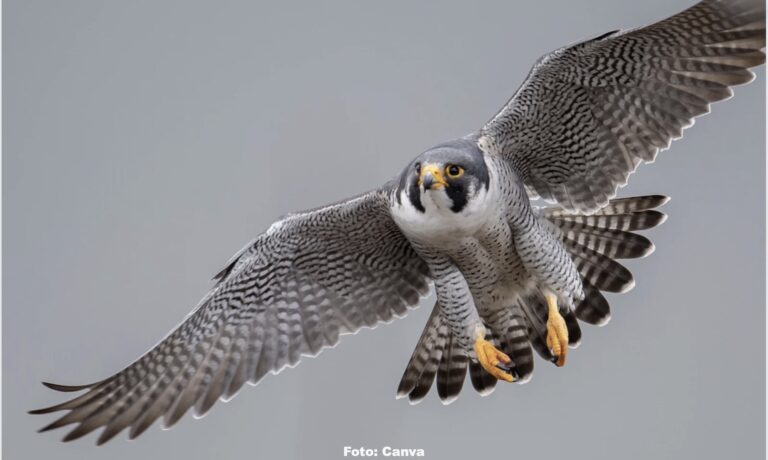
308, 279
590, 113
459, 218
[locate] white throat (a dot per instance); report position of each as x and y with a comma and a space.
438, 222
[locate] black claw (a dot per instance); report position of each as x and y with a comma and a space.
510, 369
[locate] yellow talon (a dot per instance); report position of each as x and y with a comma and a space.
557, 332
489, 357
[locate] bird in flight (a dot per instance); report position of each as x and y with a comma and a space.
509, 277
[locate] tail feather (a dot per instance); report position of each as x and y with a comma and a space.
452, 372
641, 220
600, 271
427, 377
483, 382
617, 206
574, 330
616, 244
535, 311
421, 354
631, 205
512, 332
593, 309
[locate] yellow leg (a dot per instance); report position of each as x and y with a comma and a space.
557, 332
489, 357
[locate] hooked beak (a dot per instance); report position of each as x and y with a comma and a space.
431, 177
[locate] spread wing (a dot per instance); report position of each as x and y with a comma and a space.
309, 278
588, 114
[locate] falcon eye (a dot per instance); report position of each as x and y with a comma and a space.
418, 168
454, 171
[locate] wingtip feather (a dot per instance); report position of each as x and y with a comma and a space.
67, 388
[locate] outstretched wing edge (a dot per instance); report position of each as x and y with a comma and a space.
308, 279
589, 114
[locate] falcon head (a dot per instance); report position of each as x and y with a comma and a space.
446, 178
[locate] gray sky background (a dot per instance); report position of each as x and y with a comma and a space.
145, 142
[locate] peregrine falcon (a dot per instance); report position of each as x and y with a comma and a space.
510, 276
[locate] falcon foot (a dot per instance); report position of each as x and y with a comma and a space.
489, 357
557, 332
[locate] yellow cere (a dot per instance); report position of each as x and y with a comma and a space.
435, 172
